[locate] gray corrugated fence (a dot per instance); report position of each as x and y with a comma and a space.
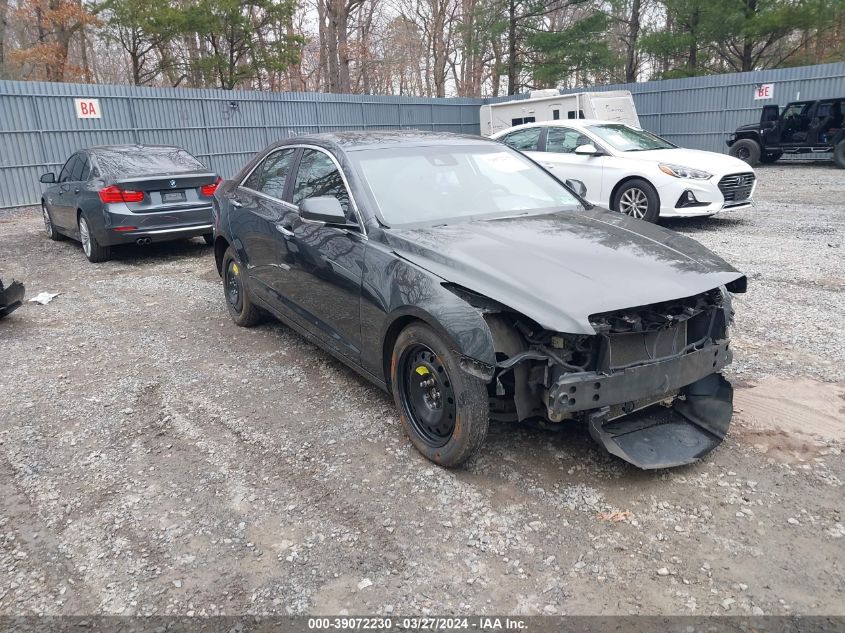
39, 128
700, 112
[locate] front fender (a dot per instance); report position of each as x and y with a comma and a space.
396, 292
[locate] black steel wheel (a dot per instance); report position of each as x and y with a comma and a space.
234, 285
443, 409
236, 292
427, 395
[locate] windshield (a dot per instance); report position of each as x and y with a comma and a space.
628, 139
442, 184
146, 161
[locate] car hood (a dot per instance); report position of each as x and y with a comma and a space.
716, 164
748, 127
558, 269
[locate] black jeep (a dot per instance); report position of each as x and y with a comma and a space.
804, 127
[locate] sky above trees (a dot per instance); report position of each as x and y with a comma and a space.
409, 47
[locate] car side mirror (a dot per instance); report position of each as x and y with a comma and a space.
587, 150
49, 178
325, 209
577, 186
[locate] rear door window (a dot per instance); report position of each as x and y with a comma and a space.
271, 176
86, 169
564, 140
318, 176
524, 140
78, 166
66, 174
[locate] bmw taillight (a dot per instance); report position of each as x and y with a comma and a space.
208, 190
116, 194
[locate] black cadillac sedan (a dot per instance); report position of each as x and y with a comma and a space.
123, 194
465, 279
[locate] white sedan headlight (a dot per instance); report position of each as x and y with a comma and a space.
679, 171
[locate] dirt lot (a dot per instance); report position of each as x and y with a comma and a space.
154, 458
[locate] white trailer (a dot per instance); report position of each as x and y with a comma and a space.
548, 105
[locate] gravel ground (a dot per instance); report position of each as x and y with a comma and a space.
156, 459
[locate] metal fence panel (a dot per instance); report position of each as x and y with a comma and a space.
700, 112
39, 128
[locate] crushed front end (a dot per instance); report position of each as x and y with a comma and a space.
647, 384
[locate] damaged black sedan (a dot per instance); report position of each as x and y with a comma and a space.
465, 279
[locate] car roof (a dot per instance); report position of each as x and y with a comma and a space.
378, 139
130, 147
578, 124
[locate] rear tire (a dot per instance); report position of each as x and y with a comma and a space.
92, 249
443, 410
770, 157
52, 233
243, 312
839, 154
747, 150
638, 199
209, 239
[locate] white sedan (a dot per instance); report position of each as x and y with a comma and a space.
633, 171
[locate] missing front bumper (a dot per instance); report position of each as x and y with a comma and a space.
663, 437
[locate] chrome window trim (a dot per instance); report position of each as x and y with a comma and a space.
362, 229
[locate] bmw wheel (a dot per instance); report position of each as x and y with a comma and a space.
637, 199
93, 251
443, 410
52, 233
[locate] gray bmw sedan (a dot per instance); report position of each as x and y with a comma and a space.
123, 194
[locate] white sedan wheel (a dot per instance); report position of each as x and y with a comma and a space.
634, 202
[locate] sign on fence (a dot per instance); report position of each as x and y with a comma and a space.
764, 91
87, 108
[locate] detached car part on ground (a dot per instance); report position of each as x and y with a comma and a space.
128, 194
473, 285
11, 297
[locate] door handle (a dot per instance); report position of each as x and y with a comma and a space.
76, 191
547, 164
236, 203
284, 230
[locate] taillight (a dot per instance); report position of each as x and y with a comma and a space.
208, 190
116, 194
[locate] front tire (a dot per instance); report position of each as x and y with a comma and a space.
444, 411
243, 312
747, 150
92, 249
52, 233
638, 199
839, 154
